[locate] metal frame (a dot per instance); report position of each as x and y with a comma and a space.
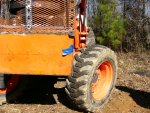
28, 26
80, 23
5, 9
28, 14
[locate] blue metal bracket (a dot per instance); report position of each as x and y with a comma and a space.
67, 51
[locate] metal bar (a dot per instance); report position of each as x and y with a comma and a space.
28, 14
1, 8
5, 9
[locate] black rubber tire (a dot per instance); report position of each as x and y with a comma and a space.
18, 90
78, 86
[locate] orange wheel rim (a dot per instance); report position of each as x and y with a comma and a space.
103, 82
11, 84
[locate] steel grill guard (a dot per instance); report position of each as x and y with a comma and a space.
36, 16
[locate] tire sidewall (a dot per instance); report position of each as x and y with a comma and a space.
105, 56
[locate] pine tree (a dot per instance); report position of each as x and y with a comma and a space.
109, 27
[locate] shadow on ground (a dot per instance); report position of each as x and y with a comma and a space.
142, 98
40, 90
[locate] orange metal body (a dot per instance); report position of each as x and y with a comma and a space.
41, 54
76, 31
36, 54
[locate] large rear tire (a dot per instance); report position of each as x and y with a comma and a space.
93, 78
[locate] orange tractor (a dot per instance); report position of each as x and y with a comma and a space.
53, 37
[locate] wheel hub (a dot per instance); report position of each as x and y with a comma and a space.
102, 80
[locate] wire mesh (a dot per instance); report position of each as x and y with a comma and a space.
46, 16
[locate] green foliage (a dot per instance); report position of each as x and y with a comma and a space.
109, 27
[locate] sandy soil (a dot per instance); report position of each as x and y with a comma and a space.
131, 94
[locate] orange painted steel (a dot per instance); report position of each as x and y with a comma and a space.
39, 54
105, 77
76, 32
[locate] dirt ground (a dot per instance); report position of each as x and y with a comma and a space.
131, 94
